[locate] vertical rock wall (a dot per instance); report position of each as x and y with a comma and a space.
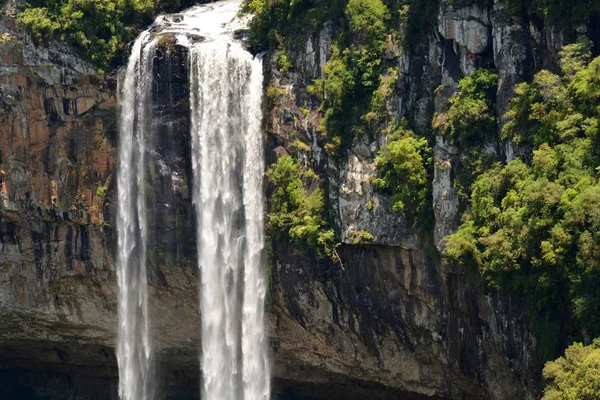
391, 322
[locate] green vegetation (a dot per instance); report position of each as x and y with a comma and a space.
368, 19
417, 17
534, 225
554, 109
353, 73
361, 237
530, 227
98, 28
278, 23
282, 22
403, 167
298, 207
559, 12
358, 79
576, 375
470, 124
101, 191
283, 63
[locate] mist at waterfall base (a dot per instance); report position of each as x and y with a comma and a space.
225, 83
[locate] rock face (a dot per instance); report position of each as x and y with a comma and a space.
392, 321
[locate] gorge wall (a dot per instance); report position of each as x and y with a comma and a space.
391, 320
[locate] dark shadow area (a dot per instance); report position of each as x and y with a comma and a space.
46, 371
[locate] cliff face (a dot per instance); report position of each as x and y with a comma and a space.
390, 321
394, 313
411, 321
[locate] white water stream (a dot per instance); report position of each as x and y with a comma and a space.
134, 347
227, 161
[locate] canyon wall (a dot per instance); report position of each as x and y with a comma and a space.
391, 320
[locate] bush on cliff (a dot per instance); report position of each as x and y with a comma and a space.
558, 12
98, 28
533, 226
470, 124
403, 167
297, 207
576, 375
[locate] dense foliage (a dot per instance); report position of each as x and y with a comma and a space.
534, 224
576, 375
280, 22
358, 78
403, 167
470, 124
298, 207
98, 28
354, 73
531, 226
559, 12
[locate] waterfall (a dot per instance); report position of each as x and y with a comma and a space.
134, 347
226, 90
227, 163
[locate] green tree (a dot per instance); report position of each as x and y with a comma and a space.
403, 168
99, 29
533, 225
576, 376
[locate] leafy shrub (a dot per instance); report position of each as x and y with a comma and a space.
576, 375
297, 213
575, 57
533, 226
403, 167
368, 19
98, 28
470, 123
559, 12
281, 22
361, 237
470, 117
283, 63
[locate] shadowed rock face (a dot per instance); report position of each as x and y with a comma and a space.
392, 323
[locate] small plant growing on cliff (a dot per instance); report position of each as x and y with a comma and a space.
370, 206
101, 191
274, 96
361, 237
297, 207
283, 63
167, 42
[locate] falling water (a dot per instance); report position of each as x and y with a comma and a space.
227, 161
134, 348
228, 166
227, 154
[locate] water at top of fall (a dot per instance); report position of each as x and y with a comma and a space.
213, 21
